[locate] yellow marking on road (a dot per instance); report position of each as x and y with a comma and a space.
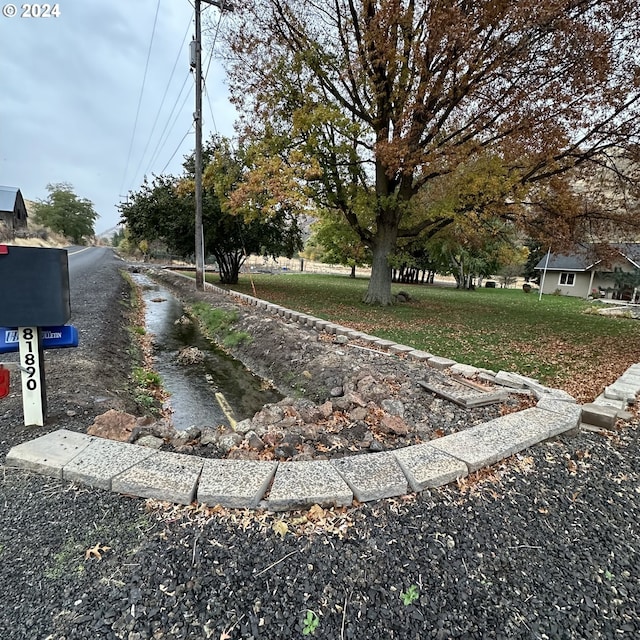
226, 409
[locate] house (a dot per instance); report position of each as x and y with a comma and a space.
582, 273
13, 212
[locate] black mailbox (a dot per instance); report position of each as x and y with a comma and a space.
34, 287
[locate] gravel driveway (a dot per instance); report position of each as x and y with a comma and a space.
544, 545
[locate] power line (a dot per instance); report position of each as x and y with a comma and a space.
162, 140
166, 91
144, 80
206, 73
176, 151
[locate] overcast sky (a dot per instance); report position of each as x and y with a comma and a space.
70, 88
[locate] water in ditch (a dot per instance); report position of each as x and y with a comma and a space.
200, 394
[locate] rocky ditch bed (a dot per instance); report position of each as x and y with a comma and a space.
341, 398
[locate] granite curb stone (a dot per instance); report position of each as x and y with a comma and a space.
302, 484
426, 466
487, 443
102, 460
48, 454
163, 476
235, 484
372, 476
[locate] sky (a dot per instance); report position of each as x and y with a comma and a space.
76, 106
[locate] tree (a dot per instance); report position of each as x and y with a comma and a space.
334, 241
163, 210
65, 213
389, 95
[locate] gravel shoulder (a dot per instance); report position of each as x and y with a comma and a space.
542, 545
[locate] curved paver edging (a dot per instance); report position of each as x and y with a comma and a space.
279, 486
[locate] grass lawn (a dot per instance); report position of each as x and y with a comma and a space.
553, 340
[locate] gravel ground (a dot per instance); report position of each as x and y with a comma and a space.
543, 545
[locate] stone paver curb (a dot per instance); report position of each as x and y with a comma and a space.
102, 460
302, 484
437, 362
163, 476
600, 415
372, 476
48, 454
427, 467
487, 443
236, 484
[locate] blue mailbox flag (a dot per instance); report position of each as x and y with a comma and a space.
52, 338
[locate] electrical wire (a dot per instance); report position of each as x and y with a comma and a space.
164, 96
144, 80
176, 151
206, 73
162, 140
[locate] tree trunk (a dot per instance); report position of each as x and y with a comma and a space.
353, 271
379, 291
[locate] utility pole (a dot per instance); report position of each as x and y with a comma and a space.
197, 118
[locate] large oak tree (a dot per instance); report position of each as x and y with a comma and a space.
390, 95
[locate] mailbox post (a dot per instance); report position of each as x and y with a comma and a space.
34, 293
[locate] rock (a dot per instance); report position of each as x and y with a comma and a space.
114, 425
284, 450
272, 438
326, 409
254, 440
152, 442
376, 446
394, 425
244, 426
193, 432
270, 414
208, 436
336, 392
227, 441
190, 355
393, 407
359, 413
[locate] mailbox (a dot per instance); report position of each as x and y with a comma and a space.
34, 287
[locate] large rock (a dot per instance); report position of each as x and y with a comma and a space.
114, 425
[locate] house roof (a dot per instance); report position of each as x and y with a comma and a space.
8, 197
631, 251
584, 257
580, 260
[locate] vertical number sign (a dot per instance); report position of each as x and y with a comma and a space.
31, 364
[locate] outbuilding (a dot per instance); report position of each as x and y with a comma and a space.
13, 211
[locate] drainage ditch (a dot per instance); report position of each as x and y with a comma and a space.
218, 389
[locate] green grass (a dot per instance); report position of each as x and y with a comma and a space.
555, 340
219, 324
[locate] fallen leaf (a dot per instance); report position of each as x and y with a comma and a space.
281, 528
316, 512
96, 552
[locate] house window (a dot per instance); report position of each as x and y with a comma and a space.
568, 279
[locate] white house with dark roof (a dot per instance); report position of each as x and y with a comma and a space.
582, 273
13, 212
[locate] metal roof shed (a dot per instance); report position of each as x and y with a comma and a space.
13, 211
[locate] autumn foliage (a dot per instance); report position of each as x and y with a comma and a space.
389, 97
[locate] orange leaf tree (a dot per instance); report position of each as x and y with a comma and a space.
389, 95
